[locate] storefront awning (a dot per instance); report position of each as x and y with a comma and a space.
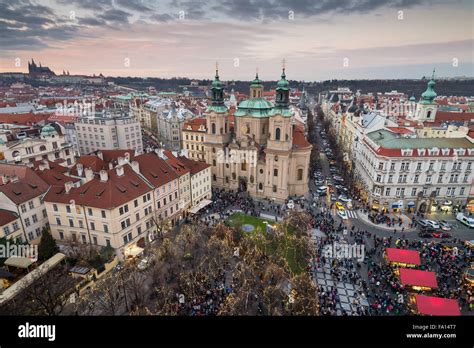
199, 206
411, 204
411, 257
430, 305
414, 277
448, 203
18, 262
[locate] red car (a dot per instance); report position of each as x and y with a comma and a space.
441, 235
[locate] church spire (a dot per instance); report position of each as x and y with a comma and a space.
217, 89
283, 89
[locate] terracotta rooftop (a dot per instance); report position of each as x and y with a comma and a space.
194, 166
28, 185
195, 124
6, 217
155, 169
116, 191
299, 139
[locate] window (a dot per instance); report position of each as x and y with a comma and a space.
31, 204
55, 207
94, 238
84, 240
23, 208
416, 178
68, 208
379, 178
106, 228
274, 188
61, 235
125, 223
418, 166
392, 166
92, 226
275, 172
103, 213
35, 218
89, 210
15, 226
135, 203
277, 134
58, 221
6, 230
124, 209
213, 128
387, 191
462, 191
81, 224
137, 215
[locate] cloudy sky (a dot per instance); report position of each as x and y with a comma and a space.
319, 39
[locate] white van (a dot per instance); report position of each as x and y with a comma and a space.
465, 220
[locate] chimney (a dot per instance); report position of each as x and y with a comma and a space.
80, 169
68, 186
104, 176
119, 170
121, 161
160, 153
127, 156
136, 167
42, 167
89, 174
46, 164
100, 155
111, 165
14, 178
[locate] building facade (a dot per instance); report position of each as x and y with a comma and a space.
266, 154
194, 136
109, 132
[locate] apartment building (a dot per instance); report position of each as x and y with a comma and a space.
114, 208
415, 174
109, 130
201, 177
10, 226
194, 136
22, 192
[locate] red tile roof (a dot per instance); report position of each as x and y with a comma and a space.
195, 123
155, 169
415, 277
430, 305
113, 155
454, 116
28, 186
116, 191
400, 130
24, 119
176, 164
194, 166
89, 161
55, 178
6, 217
299, 139
403, 256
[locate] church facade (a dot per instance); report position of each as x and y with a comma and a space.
265, 153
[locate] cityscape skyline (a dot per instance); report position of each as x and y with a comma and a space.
363, 40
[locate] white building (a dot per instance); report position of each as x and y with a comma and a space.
24, 147
415, 174
22, 192
109, 131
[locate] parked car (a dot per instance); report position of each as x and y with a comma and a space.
445, 226
432, 223
441, 235
342, 214
422, 223
145, 263
465, 220
344, 198
425, 234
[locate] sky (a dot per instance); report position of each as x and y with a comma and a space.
317, 39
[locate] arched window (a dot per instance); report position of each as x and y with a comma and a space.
214, 177
233, 176
213, 128
260, 186
275, 172
300, 174
428, 115
277, 134
276, 158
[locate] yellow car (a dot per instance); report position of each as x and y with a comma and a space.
339, 206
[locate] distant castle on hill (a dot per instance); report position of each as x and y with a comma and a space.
39, 71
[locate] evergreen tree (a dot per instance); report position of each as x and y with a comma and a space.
47, 246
